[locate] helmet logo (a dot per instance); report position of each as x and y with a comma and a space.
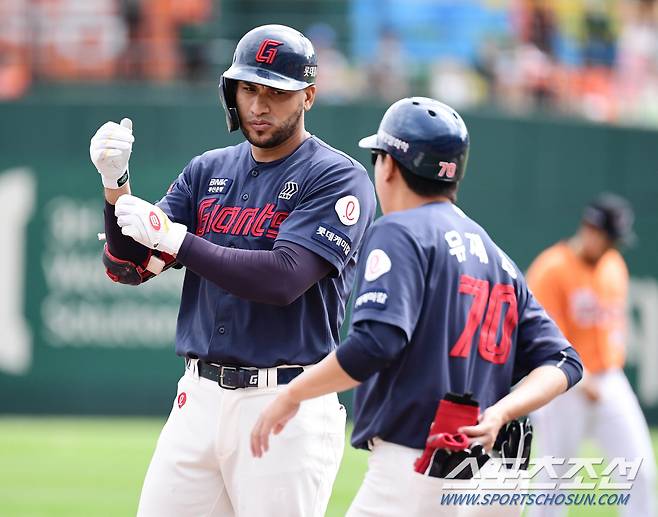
267, 51
447, 170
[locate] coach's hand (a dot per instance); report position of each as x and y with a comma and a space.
148, 225
110, 150
589, 386
486, 431
272, 420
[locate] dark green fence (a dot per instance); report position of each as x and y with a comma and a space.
73, 342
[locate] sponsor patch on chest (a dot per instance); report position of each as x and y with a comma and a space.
218, 185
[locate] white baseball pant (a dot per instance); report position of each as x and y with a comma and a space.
203, 467
392, 488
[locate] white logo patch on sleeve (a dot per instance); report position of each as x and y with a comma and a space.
378, 263
348, 210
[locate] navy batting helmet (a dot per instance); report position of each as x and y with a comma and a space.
272, 55
425, 136
612, 214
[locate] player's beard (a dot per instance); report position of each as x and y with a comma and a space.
279, 135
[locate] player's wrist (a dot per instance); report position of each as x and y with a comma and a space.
499, 413
112, 183
113, 195
173, 239
292, 395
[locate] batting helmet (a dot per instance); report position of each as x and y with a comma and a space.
272, 55
425, 136
612, 214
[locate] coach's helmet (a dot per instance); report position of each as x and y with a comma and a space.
425, 136
272, 55
612, 214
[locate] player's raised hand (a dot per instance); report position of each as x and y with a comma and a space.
110, 150
272, 420
148, 224
486, 431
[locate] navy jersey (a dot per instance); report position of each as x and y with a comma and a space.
318, 198
471, 323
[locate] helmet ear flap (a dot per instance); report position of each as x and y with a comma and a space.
227, 97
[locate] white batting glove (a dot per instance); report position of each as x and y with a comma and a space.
148, 225
110, 150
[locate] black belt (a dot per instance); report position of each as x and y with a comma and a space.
236, 377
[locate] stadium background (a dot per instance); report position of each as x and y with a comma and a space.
561, 100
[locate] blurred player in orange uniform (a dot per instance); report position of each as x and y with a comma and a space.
583, 284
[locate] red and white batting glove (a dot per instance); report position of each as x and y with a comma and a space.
149, 225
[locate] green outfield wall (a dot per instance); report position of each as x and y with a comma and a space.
74, 342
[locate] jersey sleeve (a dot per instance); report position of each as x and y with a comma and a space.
332, 218
540, 342
178, 202
391, 281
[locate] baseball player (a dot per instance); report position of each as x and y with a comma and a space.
441, 317
583, 283
268, 231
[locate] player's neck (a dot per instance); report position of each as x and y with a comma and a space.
282, 150
577, 247
408, 200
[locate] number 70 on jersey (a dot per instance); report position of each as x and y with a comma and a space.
492, 300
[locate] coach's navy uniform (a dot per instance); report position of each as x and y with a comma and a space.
434, 274
443, 325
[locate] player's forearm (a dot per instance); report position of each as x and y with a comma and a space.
276, 277
112, 194
120, 245
325, 377
541, 386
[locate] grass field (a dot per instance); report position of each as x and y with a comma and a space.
88, 467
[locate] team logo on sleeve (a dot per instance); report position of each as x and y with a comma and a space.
348, 210
377, 264
289, 190
219, 185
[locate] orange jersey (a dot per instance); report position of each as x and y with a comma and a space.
588, 302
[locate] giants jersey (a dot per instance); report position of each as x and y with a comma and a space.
318, 198
471, 323
588, 302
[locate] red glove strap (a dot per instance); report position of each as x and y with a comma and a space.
450, 416
452, 442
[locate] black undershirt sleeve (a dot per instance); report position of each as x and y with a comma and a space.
120, 245
276, 277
